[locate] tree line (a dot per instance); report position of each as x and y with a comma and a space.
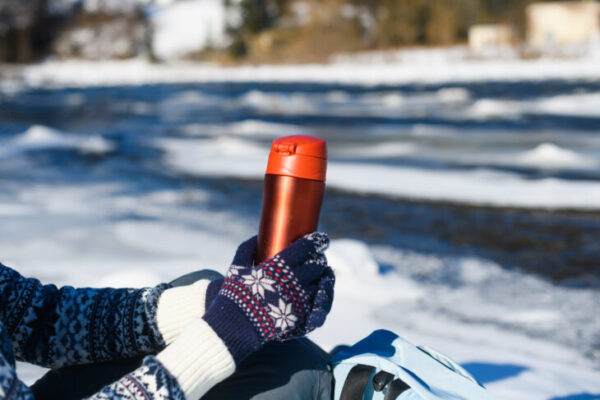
373, 24
291, 30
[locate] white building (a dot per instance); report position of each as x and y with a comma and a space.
184, 27
486, 36
562, 23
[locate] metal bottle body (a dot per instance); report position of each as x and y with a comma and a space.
290, 209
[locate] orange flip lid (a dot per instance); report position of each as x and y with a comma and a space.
299, 156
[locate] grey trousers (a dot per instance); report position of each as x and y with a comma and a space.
292, 370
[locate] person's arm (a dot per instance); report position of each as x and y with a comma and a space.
11, 388
284, 297
151, 381
174, 307
185, 370
55, 327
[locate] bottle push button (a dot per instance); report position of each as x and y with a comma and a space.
298, 156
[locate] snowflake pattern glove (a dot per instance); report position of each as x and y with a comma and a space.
286, 296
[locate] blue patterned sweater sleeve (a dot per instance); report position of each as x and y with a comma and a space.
149, 382
11, 388
55, 327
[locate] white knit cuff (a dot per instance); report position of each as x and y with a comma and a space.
198, 359
179, 306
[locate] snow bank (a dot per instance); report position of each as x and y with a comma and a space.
584, 104
39, 137
10, 209
492, 108
99, 230
80, 73
390, 103
549, 155
357, 275
257, 128
247, 128
281, 103
502, 326
479, 187
139, 277
378, 150
580, 105
542, 156
236, 157
222, 157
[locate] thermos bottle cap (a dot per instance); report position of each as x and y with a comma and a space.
298, 156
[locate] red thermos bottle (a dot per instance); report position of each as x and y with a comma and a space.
293, 193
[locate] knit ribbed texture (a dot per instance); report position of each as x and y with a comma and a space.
230, 324
213, 290
179, 306
198, 359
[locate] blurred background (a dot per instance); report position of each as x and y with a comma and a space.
463, 191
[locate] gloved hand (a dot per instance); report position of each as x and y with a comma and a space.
286, 296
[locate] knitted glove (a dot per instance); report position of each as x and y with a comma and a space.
286, 296
185, 302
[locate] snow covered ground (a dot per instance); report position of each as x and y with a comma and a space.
234, 157
513, 332
239, 158
129, 174
430, 67
440, 119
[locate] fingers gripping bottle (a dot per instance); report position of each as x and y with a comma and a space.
293, 192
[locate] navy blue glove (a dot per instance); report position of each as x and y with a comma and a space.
286, 296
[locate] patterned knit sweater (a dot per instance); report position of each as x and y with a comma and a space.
54, 327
